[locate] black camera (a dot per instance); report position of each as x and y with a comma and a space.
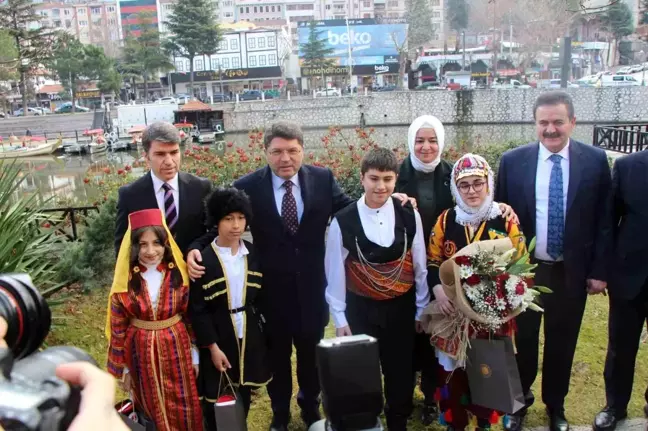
31, 396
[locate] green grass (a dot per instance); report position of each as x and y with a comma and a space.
83, 326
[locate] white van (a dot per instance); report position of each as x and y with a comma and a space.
619, 81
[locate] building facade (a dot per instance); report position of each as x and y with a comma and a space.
247, 59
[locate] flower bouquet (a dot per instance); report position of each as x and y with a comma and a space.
489, 283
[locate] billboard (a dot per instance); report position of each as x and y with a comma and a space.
129, 11
367, 37
360, 70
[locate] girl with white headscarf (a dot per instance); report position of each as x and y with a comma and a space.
475, 217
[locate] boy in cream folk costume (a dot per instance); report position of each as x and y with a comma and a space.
375, 255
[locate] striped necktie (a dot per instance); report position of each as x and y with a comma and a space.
170, 210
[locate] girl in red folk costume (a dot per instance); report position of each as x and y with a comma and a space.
475, 217
150, 346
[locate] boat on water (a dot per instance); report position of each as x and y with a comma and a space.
97, 147
37, 148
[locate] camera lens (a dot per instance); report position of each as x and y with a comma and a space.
42, 365
26, 312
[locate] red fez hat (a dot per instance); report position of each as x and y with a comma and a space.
144, 218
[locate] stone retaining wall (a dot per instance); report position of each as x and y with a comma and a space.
593, 105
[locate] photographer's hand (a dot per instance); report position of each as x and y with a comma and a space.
97, 411
3, 332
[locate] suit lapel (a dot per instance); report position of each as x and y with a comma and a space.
183, 196
148, 193
575, 173
267, 195
305, 184
530, 168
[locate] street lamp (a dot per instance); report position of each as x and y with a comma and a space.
642, 56
350, 57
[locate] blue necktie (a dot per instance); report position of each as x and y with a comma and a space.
556, 224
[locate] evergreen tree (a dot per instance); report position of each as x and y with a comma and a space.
33, 45
8, 57
644, 12
74, 62
193, 31
143, 55
315, 52
457, 17
617, 19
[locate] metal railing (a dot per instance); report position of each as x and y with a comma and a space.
622, 138
69, 220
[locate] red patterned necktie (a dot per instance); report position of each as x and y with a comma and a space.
289, 209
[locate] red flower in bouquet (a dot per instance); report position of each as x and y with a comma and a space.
520, 289
463, 260
473, 280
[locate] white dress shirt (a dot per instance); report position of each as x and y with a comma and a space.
280, 191
543, 175
378, 225
234, 268
159, 191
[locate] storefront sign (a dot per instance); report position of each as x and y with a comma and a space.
479, 74
87, 94
229, 74
362, 70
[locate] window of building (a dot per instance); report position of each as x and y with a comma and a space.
247, 9
81, 11
199, 64
252, 60
222, 46
328, 7
111, 8
267, 8
262, 42
273, 8
252, 42
392, 3
436, 14
83, 23
57, 23
214, 64
366, 4
68, 23
112, 21
436, 3
95, 10
67, 12
240, 10
234, 44
187, 65
226, 63
279, 8
235, 63
271, 42
179, 66
228, 14
255, 9
56, 12
262, 60
272, 60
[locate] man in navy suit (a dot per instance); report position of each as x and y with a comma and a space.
628, 285
558, 187
292, 204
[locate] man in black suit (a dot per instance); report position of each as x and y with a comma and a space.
558, 187
628, 285
292, 204
178, 194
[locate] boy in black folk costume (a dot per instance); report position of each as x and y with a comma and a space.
376, 273
228, 328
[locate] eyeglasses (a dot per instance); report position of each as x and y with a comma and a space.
477, 186
291, 152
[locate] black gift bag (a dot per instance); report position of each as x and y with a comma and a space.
493, 375
228, 408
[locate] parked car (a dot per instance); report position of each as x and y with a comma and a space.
588, 81
2, 115
389, 87
430, 85
636, 68
167, 99
623, 71
555, 83
220, 97
30, 111
327, 92
182, 98
45, 110
619, 81
250, 95
67, 108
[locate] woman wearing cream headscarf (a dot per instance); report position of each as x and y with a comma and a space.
426, 177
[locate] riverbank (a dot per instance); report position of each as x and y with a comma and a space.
85, 315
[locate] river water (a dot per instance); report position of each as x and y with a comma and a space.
61, 177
